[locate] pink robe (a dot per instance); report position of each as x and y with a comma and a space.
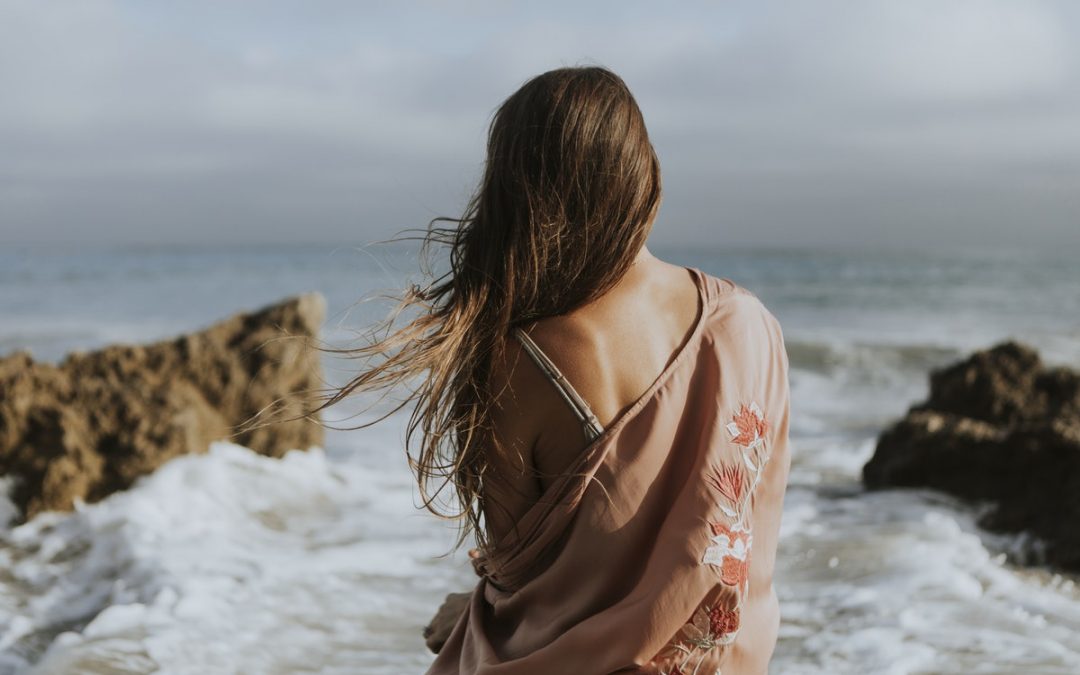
639, 560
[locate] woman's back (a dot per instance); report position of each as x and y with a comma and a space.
609, 352
635, 553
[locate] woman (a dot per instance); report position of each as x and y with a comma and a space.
614, 427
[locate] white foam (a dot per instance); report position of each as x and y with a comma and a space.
231, 562
903, 582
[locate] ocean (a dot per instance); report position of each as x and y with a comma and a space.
321, 562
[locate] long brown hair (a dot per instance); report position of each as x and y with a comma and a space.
570, 189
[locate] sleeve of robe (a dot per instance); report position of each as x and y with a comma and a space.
731, 551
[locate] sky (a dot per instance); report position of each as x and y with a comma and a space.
906, 123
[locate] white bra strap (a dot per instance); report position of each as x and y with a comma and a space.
580, 407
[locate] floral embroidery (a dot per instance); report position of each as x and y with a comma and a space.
717, 623
723, 621
730, 551
730, 481
748, 427
711, 626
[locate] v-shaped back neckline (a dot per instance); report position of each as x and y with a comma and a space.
673, 362
556, 498
595, 431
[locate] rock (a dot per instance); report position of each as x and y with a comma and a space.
997, 427
97, 421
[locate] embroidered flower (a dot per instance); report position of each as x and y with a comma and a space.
733, 571
723, 621
712, 625
730, 551
748, 426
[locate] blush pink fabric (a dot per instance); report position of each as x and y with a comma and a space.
656, 553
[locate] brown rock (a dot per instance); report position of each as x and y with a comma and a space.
96, 422
997, 427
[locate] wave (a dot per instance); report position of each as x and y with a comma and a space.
227, 562
829, 357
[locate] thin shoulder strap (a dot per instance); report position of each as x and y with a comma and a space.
580, 407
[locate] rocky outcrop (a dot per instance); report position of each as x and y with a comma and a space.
998, 427
97, 421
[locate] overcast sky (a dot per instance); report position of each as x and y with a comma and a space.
807, 122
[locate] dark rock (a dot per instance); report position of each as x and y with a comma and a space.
1001, 428
96, 422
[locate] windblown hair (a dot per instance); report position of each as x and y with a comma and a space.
570, 188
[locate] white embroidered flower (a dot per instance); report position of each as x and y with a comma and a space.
732, 542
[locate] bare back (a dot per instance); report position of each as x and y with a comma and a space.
609, 352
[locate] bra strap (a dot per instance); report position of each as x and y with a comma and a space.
581, 408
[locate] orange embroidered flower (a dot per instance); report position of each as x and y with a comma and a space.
733, 571
723, 621
748, 426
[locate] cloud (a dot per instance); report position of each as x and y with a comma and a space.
821, 123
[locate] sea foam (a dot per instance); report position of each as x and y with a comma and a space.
228, 562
